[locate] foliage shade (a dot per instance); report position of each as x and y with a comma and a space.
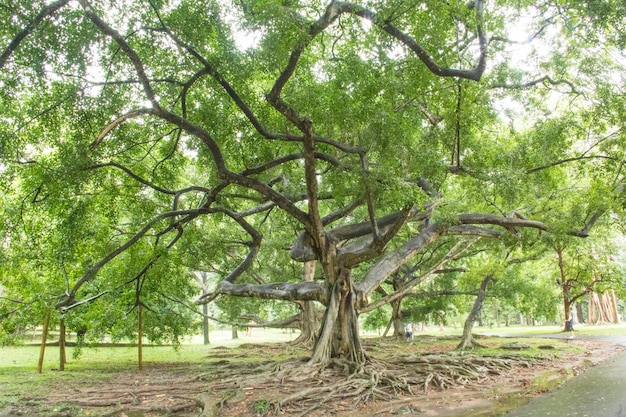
142, 141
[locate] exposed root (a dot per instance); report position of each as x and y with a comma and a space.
300, 388
220, 387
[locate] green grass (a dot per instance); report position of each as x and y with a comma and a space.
25, 358
581, 329
18, 364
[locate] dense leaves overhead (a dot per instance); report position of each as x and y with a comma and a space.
142, 140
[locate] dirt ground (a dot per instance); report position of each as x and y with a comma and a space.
183, 390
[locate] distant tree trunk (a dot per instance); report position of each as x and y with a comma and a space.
565, 288
233, 333
580, 316
140, 336
44, 339
614, 306
62, 357
467, 340
310, 321
609, 307
389, 323
310, 324
398, 319
603, 308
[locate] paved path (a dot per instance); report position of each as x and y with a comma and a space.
598, 392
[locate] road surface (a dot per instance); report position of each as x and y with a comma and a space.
598, 392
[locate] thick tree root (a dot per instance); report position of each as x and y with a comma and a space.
300, 389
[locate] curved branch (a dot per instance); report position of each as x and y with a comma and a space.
332, 13
506, 222
209, 69
393, 260
178, 194
227, 175
94, 269
115, 123
572, 159
65, 309
133, 175
291, 322
254, 245
124, 46
47, 11
540, 80
470, 230
473, 74
288, 158
454, 252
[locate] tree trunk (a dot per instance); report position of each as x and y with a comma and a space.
567, 306
389, 323
467, 340
592, 315
603, 308
310, 322
614, 307
565, 289
580, 314
339, 335
62, 357
233, 333
44, 339
398, 319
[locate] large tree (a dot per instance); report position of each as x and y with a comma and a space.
370, 131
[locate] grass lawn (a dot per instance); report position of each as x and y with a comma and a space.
106, 365
580, 329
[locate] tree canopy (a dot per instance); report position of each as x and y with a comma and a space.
144, 139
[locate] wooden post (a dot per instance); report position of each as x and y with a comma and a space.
62, 357
205, 312
140, 336
44, 338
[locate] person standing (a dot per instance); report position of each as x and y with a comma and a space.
409, 332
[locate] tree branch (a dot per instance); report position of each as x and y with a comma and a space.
454, 252
572, 159
133, 175
301, 291
47, 11
93, 270
291, 322
541, 80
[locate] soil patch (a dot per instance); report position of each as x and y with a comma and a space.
227, 384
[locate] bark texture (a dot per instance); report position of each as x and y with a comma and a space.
467, 340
